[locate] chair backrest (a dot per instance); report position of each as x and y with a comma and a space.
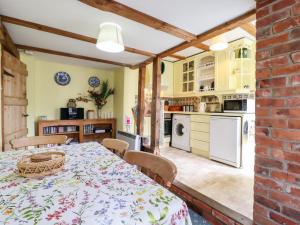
159, 167
116, 146
38, 141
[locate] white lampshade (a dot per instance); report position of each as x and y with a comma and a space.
218, 44
110, 38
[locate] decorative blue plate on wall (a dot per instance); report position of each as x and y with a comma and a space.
62, 78
94, 81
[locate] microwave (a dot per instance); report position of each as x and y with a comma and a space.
239, 105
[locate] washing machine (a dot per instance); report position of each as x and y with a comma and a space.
181, 132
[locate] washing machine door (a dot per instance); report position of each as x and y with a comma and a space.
180, 137
180, 130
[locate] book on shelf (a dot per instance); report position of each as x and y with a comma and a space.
91, 129
59, 129
88, 129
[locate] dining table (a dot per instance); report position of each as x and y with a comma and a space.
94, 187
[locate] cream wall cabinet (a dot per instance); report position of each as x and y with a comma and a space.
235, 67
222, 71
200, 135
231, 70
242, 65
184, 77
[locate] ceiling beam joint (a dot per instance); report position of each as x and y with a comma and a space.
139, 17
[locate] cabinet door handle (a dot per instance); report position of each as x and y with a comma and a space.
25, 115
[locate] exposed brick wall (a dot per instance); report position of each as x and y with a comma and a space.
277, 166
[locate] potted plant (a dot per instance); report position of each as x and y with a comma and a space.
99, 97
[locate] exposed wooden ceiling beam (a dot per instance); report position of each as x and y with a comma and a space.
202, 46
53, 52
178, 57
64, 33
7, 42
250, 28
137, 16
223, 28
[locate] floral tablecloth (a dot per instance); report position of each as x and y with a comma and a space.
95, 187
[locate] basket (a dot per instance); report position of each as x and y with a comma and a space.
41, 164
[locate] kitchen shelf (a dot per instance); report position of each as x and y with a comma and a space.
208, 78
203, 67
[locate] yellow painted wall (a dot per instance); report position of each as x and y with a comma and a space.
46, 97
130, 94
126, 85
118, 97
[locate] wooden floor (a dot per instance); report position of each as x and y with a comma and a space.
229, 186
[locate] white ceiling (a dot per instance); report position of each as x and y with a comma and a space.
55, 42
189, 51
195, 16
71, 61
233, 35
71, 15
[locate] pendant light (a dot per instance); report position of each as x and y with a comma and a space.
110, 38
218, 44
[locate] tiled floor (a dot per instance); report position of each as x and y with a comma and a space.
227, 185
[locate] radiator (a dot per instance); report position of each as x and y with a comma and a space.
133, 140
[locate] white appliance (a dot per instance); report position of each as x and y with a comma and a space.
239, 103
133, 140
181, 132
226, 139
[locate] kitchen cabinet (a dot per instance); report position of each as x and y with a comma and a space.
242, 65
235, 67
231, 70
188, 76
200, 135
184, 77
206, 72
222, 71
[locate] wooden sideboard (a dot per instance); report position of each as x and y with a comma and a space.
80, 130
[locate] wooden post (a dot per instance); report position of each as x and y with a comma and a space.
7, 42
155, 106
141, 100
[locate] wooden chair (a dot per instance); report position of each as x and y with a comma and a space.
156, 167
38, 141
116, 146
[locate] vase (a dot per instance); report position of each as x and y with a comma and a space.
91, 114
99, 113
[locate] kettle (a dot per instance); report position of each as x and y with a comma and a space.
202, 107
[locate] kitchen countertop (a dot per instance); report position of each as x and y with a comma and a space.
209, 114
